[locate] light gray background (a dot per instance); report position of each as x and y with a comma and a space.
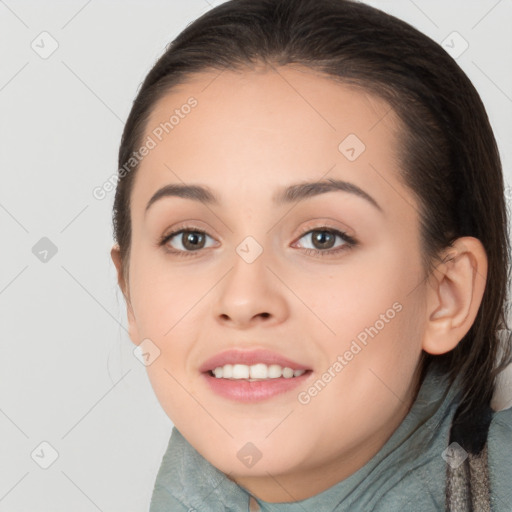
68, 374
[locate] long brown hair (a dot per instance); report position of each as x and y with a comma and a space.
448, 154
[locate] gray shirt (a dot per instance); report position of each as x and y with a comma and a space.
407, 473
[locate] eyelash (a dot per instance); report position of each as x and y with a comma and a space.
350, 242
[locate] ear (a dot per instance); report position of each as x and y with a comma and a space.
454, 295
115, 254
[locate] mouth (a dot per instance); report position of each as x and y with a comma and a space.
253, 375
256, 372
255, 383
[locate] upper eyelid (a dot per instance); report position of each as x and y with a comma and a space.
314, 224
303, 232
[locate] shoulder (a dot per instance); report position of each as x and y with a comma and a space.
499, 446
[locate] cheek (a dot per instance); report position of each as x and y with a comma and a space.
377, 332
171, 389
368, 371
163, 295
368, 294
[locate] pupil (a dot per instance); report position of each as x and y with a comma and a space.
192, 238
321, 236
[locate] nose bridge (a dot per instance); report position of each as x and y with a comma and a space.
249, 264
252, 235
250, 288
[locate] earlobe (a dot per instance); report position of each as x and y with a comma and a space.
454, 295
115, 254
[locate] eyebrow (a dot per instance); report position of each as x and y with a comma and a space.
290, 194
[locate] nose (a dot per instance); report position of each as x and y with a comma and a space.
251, 294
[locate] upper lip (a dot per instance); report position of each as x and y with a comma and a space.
250, 357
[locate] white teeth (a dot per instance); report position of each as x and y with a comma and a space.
287, 373
274, 371
240, 371
255, 372
258, 371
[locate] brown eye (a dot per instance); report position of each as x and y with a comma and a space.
192, 240
324, 240
185, 241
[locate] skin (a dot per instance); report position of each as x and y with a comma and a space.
252, 133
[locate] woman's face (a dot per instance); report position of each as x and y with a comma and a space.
352, 315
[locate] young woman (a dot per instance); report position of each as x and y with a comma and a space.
311, 237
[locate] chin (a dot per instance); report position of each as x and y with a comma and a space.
246, 458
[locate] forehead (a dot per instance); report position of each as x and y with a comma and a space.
261, 129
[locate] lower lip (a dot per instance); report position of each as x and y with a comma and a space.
255, 391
